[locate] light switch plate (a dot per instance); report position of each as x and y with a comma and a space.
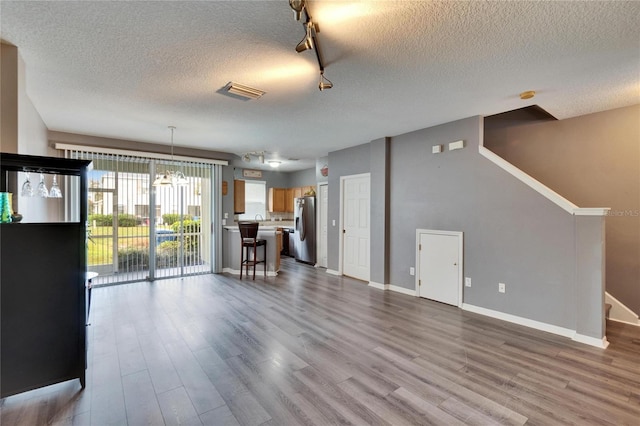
467, 282
502, 287
412, 271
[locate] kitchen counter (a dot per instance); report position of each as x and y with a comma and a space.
232, 246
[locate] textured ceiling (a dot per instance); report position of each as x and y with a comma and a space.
129, 69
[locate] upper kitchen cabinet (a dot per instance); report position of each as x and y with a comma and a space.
238, 197
277, 200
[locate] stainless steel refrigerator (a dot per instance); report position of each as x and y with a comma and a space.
304, 221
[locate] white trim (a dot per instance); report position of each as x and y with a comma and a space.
544, 190
460, 236
619, 312
318, 224
394, 288
402, 290
153, 155
341, 230
334, 272
258, 272
379, 286
592, 211
637, 324
542, 326
591, 341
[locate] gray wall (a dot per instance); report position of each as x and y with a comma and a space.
380, 211
321, 162
594, 161
511, 233
305, 177
349, 161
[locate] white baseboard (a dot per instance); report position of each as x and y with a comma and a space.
542, 326
258, 272
332, 272
591, 341
379, 286
619, 312
392, 287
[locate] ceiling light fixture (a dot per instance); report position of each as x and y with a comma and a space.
310, 40
171, 177
244, 91
324, 85
297, 6
274, 163
259, 154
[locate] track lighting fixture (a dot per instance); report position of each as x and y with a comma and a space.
171, 177
297, 6
259, 154
307, 41
325, 83
310, 40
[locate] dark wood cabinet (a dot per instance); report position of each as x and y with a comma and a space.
42, 279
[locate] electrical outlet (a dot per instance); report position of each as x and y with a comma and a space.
224, 222
412, 271
502, 287
467, 282
226, 215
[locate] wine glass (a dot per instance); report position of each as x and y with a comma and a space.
42, 188
27, 188
55, 189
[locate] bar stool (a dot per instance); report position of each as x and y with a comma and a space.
249, 237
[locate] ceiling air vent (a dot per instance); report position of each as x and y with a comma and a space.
244, 91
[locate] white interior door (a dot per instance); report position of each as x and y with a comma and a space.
440, 266
323, 198
356, 197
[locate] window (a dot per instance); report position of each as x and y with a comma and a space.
255, 200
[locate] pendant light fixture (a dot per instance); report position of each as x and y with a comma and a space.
171, 177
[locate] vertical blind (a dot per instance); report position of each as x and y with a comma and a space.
138, 231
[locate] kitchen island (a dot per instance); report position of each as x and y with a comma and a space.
231, 251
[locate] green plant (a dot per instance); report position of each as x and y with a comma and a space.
171, 218
126, 220
133, 259
191, 229
101, 220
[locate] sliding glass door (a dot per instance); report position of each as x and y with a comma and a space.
138, 231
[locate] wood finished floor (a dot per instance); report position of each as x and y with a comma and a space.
311, 348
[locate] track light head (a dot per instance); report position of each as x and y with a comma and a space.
324, 83
305, 44
297, 6
246, 158
261, 158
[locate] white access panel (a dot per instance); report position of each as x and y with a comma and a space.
439, 263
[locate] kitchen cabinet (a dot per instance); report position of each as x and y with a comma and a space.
288, 200
43, 310
277, 200
238, 197
297, 192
